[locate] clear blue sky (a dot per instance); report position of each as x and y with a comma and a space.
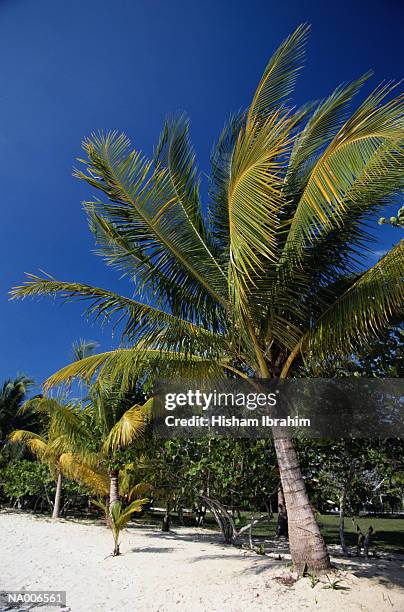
67, 68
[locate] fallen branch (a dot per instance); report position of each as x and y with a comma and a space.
225, 521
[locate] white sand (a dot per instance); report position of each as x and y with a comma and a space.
188, 569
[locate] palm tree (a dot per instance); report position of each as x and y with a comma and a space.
276, 272
12, 396
118, 518
114, 420
53, 446
83, 348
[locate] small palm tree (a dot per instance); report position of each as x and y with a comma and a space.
277, 271
118, 518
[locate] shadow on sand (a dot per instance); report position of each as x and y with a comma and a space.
387, 569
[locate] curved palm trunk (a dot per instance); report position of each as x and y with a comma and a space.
306, 543
113, 488
58, 497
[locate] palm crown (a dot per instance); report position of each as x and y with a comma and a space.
275, 270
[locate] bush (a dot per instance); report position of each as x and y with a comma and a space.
29, 485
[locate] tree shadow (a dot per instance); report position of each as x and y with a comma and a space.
387, 569
152, 549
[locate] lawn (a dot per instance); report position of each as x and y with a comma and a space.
388, 532
388, 536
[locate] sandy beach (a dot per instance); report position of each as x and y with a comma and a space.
187, 569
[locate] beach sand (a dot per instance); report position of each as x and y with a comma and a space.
187, 569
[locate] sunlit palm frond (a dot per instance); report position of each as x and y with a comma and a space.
301, 287
143, 198
34, 442
323, 125
121, 517
126, 365
255, 199
129, 427
73, 467
279, 76
68, 429
360, 313
139, 321
324, 199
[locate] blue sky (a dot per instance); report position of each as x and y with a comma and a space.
68, 68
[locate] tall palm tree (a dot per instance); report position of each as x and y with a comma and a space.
275, 273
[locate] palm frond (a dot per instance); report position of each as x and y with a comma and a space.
323, 125
140, 321
127, 365
360, 313
34, 442
116, 244
139, 490
129, 427
145, 204
122, 516
254, 201
279, 76
221, 162
323, 201
82, 348
75, 469
305, 287
175, 153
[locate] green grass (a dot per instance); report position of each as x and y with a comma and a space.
388, 532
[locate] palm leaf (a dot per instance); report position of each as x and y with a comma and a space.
121, 517
279, 77
360, 313
323, 201
129, 427
323, 125
145, 200
36, 443
76, 469
175, 153
127, 365
221, 163
140, 321
254, 202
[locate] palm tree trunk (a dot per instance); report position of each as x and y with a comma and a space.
306, 543
113, 488
58, 497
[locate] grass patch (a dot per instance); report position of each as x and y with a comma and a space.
388, 535
388, 532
